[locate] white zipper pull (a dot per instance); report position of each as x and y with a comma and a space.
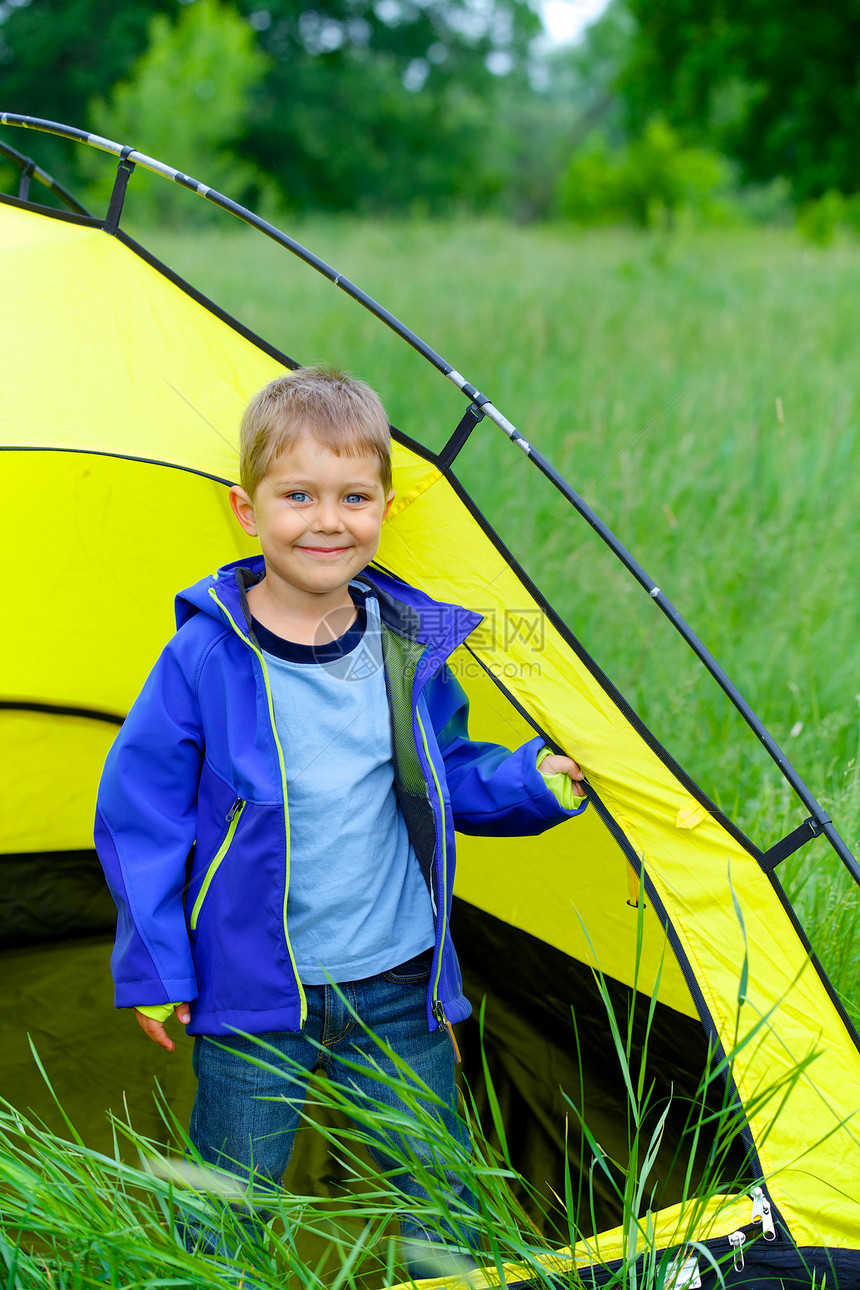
761, 1214
736, 1241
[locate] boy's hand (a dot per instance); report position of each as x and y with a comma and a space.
155, 1031
554, 764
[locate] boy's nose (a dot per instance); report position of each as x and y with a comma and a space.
327, 518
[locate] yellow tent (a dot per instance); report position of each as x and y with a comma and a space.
121, 394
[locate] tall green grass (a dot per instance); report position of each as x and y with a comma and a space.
73, 1218
701, 392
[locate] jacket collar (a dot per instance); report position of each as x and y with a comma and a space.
415, 615
403, 609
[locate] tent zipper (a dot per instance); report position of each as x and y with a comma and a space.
271, 709
233, 817
736, 1241
761, 1214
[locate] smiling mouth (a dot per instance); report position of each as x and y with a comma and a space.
324, 550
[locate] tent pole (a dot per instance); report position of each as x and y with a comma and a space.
699, 649
488, 409
27, 166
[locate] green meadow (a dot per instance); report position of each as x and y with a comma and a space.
700, 390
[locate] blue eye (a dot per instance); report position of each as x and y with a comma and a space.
356, 497
297, 495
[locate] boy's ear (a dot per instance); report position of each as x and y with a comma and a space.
243, 509
389, 499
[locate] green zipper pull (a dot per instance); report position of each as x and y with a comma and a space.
233, 816
439, 1014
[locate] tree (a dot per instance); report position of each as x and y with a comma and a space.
373, 104
57, 55
649, 181
365, 104
186, 99
772, 83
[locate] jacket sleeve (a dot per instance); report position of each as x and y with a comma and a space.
145, 828
493, 791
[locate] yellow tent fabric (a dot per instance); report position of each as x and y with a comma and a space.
119, 406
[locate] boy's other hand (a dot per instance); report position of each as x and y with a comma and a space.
155, 1031
554, 764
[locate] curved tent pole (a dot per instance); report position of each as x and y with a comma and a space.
29, 170
820, 820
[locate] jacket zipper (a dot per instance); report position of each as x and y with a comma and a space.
442, 905
436, 1006
280, 751
234, 815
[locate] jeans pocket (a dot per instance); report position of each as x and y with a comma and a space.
414, 971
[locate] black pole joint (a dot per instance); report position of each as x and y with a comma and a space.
474, 413
117, 197
804, 833
27, 172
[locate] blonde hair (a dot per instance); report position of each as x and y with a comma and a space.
343, 414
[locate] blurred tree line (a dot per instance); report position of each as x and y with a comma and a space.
666, 106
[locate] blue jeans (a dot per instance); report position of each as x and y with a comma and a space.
245, 1117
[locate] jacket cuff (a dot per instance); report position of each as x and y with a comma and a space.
156, 1011
561, 786
127, 994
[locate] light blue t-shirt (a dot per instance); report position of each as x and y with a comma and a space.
357, 903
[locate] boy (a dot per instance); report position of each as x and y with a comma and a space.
278, 811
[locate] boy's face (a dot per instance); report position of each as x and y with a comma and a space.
318, 517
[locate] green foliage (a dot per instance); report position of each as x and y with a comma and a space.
824, 220
359, 104
387, 106
664, 177
650, 181
56, 55
772, 84
185, 99
591, 190
444, 105
535, 127
819, 219
9, 177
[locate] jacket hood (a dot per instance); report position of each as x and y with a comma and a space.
229, 584
403, 608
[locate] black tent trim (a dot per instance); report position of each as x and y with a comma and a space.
62, 710
635, 860
166, 272
272, 350
582, 654
706, 1020
118, 456
67, 217
778, 1265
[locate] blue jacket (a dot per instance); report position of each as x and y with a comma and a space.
192, 827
